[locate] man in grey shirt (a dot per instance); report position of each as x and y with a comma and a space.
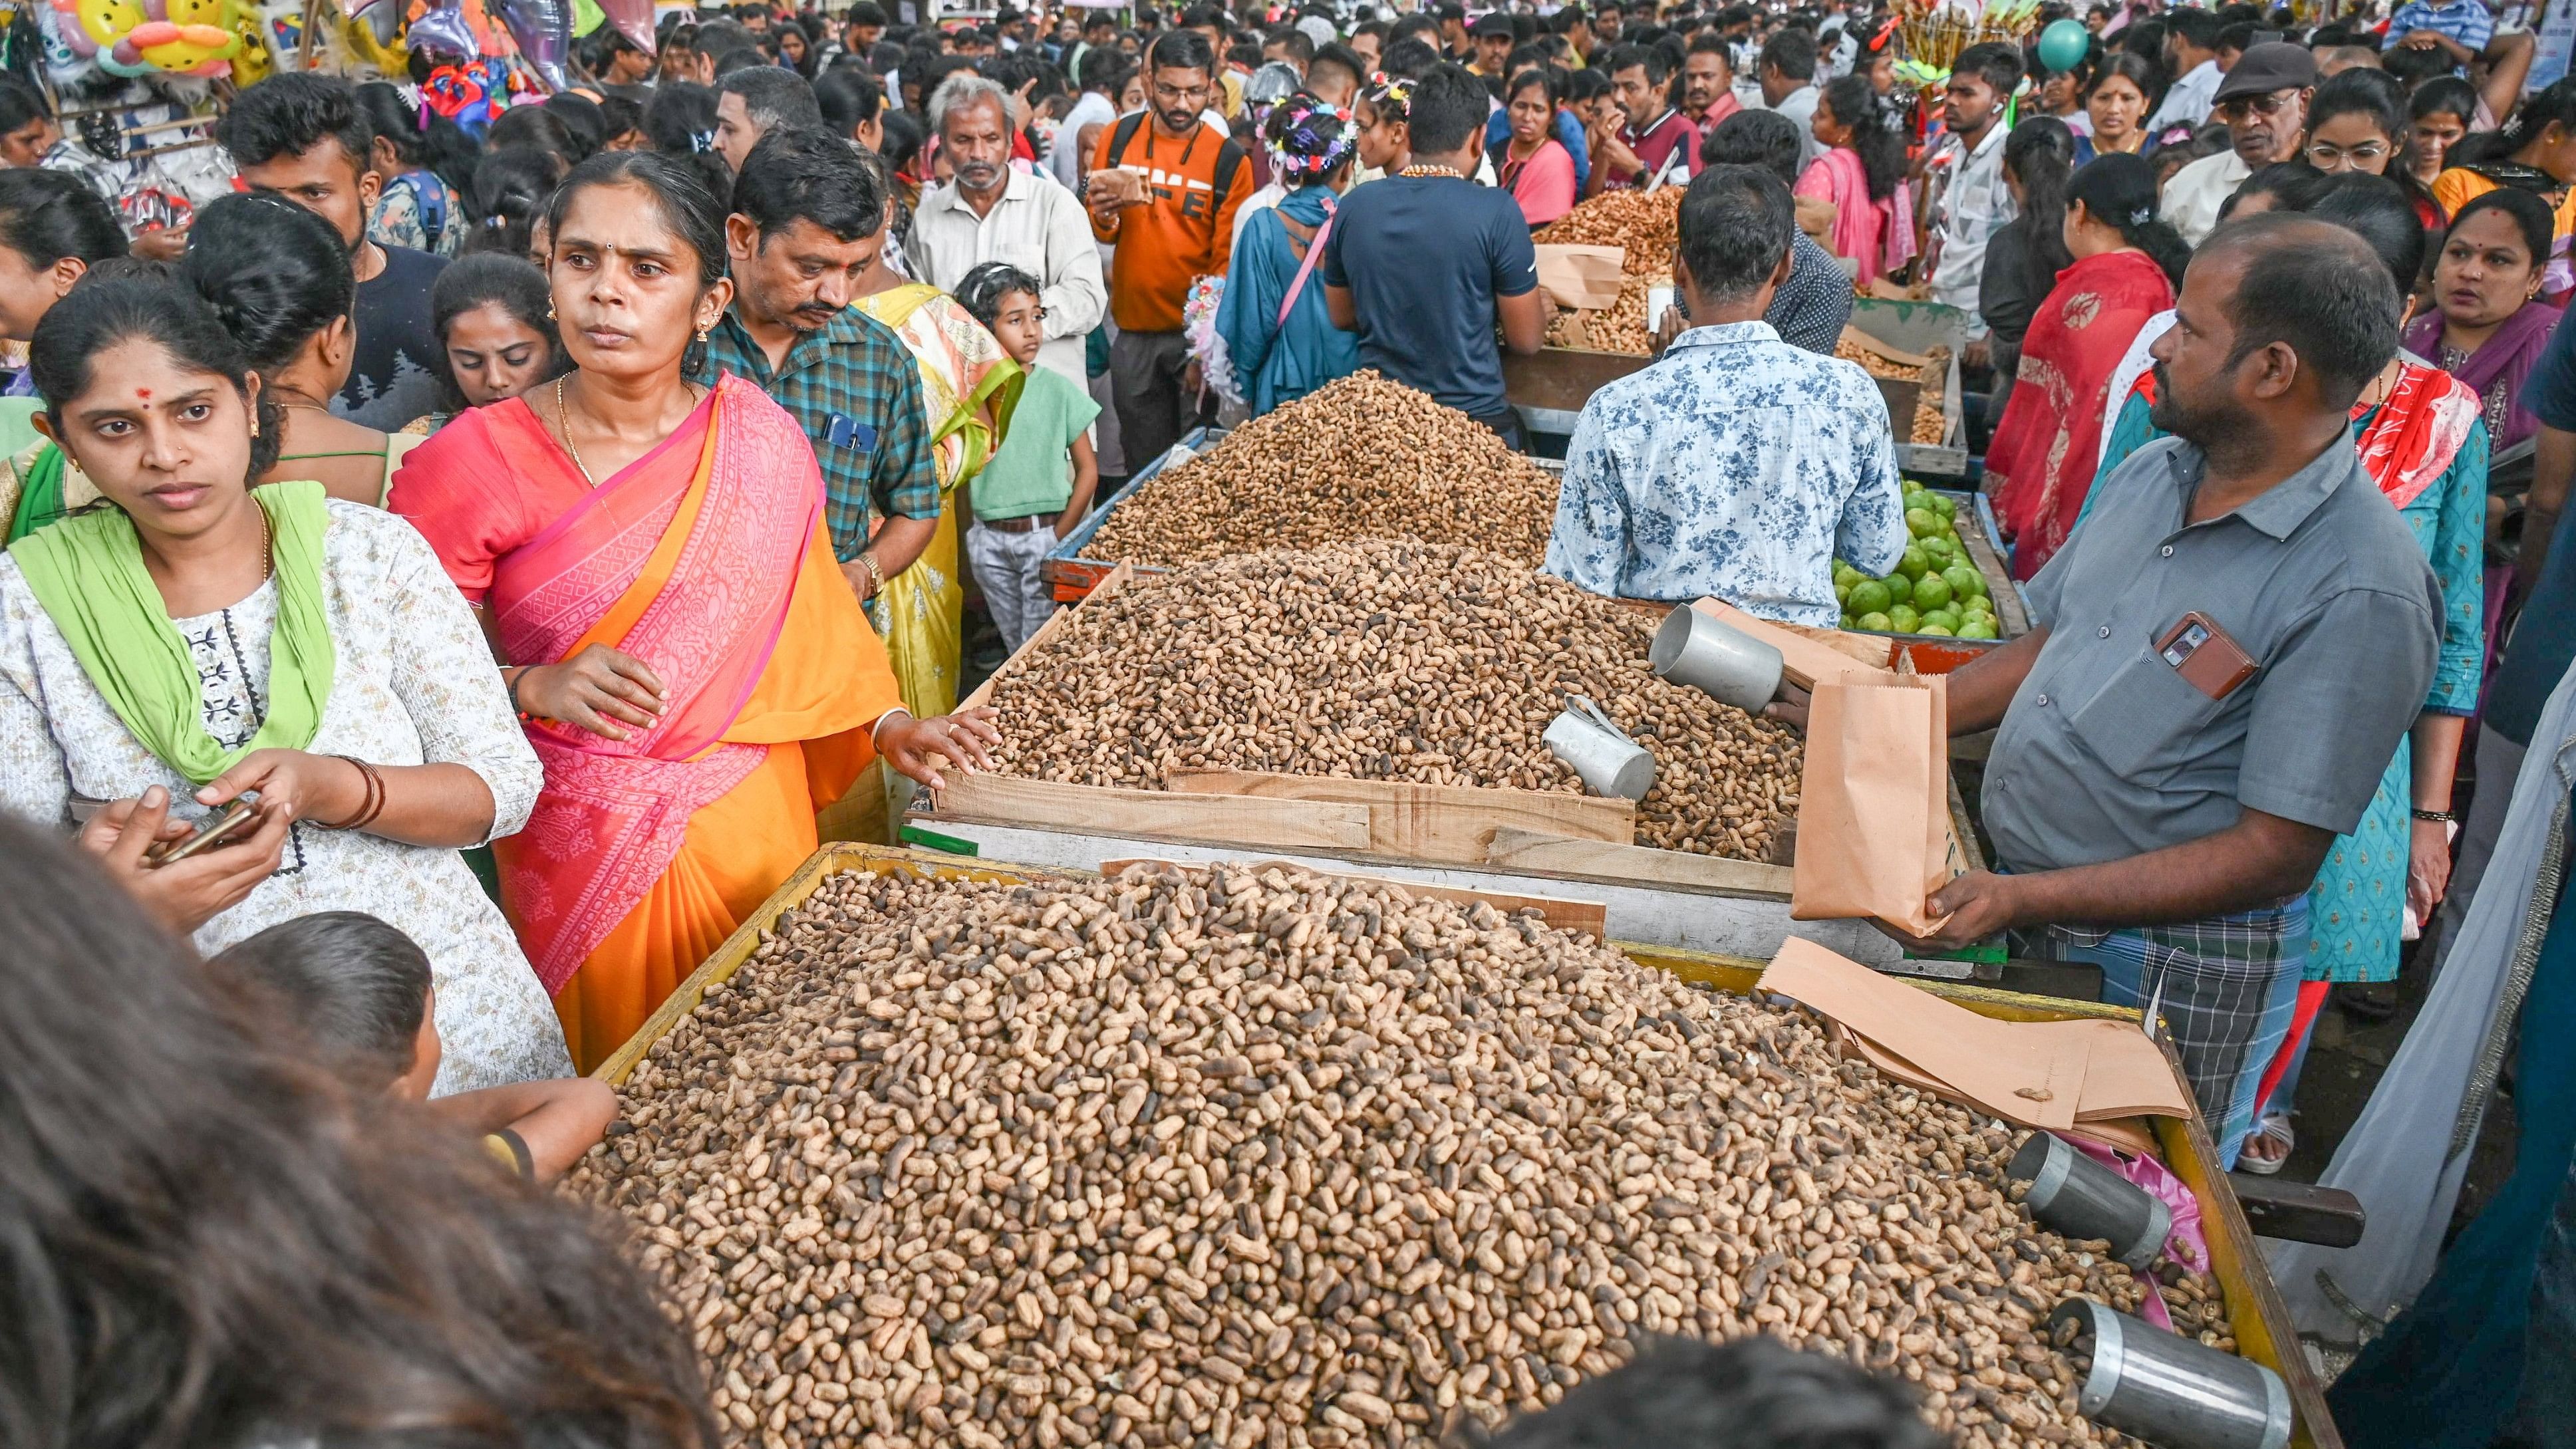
2229, 652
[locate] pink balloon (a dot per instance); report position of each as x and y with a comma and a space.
634, 20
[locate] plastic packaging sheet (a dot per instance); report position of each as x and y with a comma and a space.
2407, 1154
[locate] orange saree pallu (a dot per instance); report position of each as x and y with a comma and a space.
707, 559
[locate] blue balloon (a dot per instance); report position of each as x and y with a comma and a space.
2064, 44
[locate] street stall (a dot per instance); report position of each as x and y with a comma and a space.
959, 1152
1408, 704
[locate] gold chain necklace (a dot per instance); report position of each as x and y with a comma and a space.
563, 424
1428, 169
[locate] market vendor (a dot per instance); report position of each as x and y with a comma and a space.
2223, 662
1737, 466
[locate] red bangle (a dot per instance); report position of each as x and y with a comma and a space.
374, 804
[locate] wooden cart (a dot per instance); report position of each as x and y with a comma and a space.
2256, 1315
1501, 841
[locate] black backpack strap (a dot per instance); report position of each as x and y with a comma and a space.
1122, 136
1229, 157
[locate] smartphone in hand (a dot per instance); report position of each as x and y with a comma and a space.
238, 819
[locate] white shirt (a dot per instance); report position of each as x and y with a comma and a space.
2197, 191
1800, 106
1066, 160
2188, 99
1038, 227
1971, 207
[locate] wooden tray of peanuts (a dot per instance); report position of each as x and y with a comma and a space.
881, 1205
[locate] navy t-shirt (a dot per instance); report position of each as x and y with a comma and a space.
1424, 258
2544, 642
392, 380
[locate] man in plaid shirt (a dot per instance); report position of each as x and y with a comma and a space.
807, 214
2459, 29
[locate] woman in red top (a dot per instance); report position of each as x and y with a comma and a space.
2127, 265
1532, 164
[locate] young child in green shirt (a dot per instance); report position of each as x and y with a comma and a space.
1039, 483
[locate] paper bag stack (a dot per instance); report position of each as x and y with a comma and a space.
2086, 1077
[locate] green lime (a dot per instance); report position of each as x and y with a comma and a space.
1915, 563
1900, 589
1922, 522
1902, 618
1937, 631
1963, 580
1931, 591
1942, 552
1918, 497
1870, 597
1973, 607
1980, 627
1943, 506
1872, 623
1842, 591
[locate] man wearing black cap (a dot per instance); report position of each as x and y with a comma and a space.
2264, 102
1493, 47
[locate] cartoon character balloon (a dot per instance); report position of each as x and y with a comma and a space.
139, 37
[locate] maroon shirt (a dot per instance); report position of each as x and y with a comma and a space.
1655, 146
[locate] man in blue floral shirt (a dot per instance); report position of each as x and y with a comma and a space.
1737, 467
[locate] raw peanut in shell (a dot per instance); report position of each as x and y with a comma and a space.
1198, 1157
1382, 660
1361, 457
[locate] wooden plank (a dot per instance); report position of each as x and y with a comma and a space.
1590, 917
1222, 819
1450, 823
1519, 849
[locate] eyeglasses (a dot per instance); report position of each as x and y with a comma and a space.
2235, 108
2325, 154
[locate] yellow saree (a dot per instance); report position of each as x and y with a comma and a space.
969, 386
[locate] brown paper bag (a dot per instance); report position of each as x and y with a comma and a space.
1874, 833
1582, 278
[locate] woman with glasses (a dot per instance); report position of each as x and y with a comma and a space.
2357, 122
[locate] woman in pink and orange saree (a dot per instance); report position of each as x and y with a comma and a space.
651, 563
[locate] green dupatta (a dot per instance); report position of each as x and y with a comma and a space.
87, 571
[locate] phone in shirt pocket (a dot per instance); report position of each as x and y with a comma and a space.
2150, 717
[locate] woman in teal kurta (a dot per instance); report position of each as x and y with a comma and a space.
1276, 359
2358, 904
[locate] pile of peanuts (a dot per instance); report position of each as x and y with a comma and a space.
1648, 224
1382, 660
1928, 425
1208, 1158
1361, 457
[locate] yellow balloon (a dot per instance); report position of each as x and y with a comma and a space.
107, 21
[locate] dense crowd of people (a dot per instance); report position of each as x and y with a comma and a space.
500, 554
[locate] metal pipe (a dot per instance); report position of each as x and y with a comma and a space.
2171, 1391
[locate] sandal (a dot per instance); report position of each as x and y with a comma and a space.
2274, 1128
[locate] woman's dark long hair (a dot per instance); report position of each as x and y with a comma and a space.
142, 302
2040, 154
1874, 136
421, 138
2380, 212
276, 273
207, 1242
2119, 191
510, 190
510, 282
2553, 104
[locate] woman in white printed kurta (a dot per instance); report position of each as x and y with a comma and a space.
414, 684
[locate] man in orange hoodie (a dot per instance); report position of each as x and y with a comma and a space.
1164, 188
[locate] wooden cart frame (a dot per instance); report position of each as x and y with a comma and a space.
2256, 1314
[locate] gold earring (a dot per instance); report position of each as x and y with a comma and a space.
702, 333
550, 311
254, 425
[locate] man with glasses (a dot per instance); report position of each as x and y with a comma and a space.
2264, 102
1164, 189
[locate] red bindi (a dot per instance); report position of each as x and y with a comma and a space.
144, 393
